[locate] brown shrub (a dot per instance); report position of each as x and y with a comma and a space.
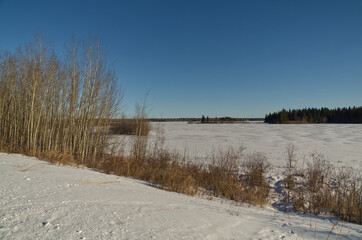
254, 166
318, 171
171, 172
323, 189
64, 158
347, 197
221, 177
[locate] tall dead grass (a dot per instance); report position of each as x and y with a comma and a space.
321, 188
170, 171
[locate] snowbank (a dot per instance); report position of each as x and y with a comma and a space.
43, 201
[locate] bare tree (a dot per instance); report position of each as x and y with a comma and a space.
51, 105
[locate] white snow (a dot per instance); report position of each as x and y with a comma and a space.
43, 201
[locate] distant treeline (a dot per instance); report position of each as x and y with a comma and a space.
315, 115
204, 119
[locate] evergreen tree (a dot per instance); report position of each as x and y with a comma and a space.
314, 115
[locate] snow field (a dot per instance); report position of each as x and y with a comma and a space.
341, 144
43, 201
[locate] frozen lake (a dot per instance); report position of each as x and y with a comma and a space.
339, 143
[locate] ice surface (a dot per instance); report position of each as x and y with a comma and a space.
339, 143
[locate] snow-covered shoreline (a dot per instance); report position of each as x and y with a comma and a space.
44, 201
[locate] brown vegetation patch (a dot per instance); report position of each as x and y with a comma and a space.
168, 171
63, 158
320, 188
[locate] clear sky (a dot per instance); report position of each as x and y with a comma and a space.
212, 58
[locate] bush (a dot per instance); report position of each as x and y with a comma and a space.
323, 189
254, 167
220, 177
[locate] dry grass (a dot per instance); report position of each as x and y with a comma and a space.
254, 167
323, 189
171, 172
347, 196
64, 158
162, 171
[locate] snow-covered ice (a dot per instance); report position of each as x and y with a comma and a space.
43, 201
339, 143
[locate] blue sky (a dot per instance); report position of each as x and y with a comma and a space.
214, 58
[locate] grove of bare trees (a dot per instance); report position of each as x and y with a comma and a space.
48, 103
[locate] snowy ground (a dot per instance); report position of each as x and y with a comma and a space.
43, 201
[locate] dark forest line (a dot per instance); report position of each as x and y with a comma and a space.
315, 115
